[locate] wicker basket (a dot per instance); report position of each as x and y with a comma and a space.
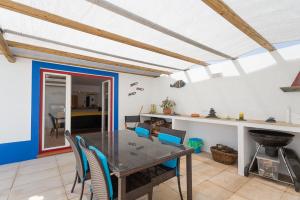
224, 154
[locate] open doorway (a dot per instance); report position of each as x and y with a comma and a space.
80, 103
90, 105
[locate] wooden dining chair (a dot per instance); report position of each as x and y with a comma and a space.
55, 125
172, 136
104, 184
178, 133
132, 119
82, 170
143, 130
145, 126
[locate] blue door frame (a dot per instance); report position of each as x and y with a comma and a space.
25, 150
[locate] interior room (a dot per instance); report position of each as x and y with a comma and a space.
152, 99
86, 108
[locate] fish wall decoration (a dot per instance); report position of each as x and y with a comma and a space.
178, 84
140, 89
133, 84
131, 93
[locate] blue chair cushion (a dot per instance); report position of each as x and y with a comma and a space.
142, 132
104, 163
83, 156
167, 138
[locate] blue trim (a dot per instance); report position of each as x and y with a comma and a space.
19, 151
16, 151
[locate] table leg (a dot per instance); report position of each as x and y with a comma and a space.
189, 176
122, 188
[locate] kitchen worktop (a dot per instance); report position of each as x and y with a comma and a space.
226, 131
279, 125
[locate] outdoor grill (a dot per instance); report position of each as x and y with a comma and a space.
274, 143
271, 140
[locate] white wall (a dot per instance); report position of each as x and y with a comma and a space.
250, 85
131, 105
15, 100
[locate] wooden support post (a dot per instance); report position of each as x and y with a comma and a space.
5, 49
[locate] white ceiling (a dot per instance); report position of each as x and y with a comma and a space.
277, 20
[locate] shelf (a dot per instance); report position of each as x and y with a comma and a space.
291, 89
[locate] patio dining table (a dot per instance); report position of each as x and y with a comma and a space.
128, 153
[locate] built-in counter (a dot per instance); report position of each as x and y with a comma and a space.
229, 132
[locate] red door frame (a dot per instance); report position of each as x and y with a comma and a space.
72, 74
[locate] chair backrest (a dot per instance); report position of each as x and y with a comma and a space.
145, 126
142, 132
82, 154
52, 118
170, 139
79, 163
177, 133
101, 182
132, 119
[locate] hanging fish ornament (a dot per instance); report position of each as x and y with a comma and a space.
178, 84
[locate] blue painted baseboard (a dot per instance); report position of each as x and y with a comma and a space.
16, 151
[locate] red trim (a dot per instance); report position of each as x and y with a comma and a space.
41, 101
111, 103
55, 151
41, 111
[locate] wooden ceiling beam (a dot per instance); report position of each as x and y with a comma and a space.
5, 49
46, 16
88, 50
80, 65
80, 57
225, 11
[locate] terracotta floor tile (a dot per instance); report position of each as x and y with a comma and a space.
7, 167
274, 184
236, 197
4, 194
229, 181
22, 179
289, 196
256, 190
210, 191
19, 192
291, 189
52, 178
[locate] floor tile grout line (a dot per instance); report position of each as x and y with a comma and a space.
13, 182
219, 169
249, 179
239, 195
61, 178
15, 177
273, 187
203, 180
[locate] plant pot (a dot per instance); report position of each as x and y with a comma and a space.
167, 111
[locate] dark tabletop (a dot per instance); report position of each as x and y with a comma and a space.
128, 153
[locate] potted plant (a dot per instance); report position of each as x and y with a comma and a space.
167, 106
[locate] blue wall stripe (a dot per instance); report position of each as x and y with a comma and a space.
19, 151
